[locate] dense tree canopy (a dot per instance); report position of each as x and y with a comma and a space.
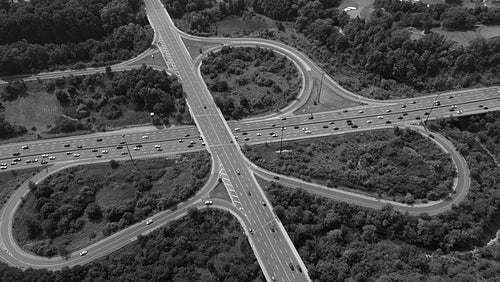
37, 35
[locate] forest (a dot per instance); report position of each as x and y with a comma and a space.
206, 245
99, 201
398, 164
380, 57
45, 35
248, 81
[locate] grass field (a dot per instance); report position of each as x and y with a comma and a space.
237, 25
194, 47
220, 192
363, 8
115, 189
11, 180
489, 31
465, 37
156, 61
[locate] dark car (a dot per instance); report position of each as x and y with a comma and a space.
354, 126
16, 154
325, 126
99, 140
291, 266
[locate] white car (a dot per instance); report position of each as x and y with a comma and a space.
259, 134
144, 137
208, 203
157, 146
136, 148
52, 158
149, 221
3, 164
45, 156
380, 117
361, 111
460, 112
180, 140
82, 253
104, 151
237, 129
368, 121
76, 155
308, 131
3, 167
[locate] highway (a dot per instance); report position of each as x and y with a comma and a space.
272, 246
268, 238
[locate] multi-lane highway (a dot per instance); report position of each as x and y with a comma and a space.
276, 254
274, 250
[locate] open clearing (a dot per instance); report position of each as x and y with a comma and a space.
465, 37
232, 25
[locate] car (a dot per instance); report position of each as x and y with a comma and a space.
208, 202
259, 134
354, 126
66, 145
271, 133
139, 145
3, 167
284, 118
79, 146
44, 162
25, 147
403, 106
345, 110
283, 128
99, 140
400, 117
361, 111
273, 125
202, 144
52, 158
94, 150
16, 154
437, 102
190, 145
200, 138
325, 126
145, 137
452, 108
192, 142
3, 164
299, 268
17, 159
119, 147
431, 135
45, 156
246, 138
149, 221
98, 156
159, 149
157, 146
308, 131
28, 161
13, 163
76, 155
180, 140
331, 122
451, 97
237, 129
250, 230
413, 102
380, 117
335, 128
291, 266
426, 113
405, 114
388, 111
311, 117
249, 193
122, 142
276, 177
238, 172
485, 108
82, 253
69, 153
479, 106
136, 148
368, 121
263, 203
417, 117
35, 160
104, 151
388, 122
273, 278
124, 153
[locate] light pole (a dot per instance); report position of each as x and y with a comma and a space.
281, 140
430, 111
129, 154
320, 86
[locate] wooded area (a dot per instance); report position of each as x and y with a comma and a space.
99, 201
44, 35
206, 245
248, 81
397, 164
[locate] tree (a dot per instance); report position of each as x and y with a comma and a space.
114, 164
93, 212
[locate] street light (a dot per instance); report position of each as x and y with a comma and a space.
281, 140
430, 110
129, 154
